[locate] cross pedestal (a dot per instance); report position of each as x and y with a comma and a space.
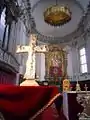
29, 82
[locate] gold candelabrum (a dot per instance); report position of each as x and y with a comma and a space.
57, 15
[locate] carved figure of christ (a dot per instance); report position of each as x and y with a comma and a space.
31, 50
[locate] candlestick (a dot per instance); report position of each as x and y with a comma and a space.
86, 87
78, 86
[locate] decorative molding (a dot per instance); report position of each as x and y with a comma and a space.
12, 11
53, 40
39, 1
7, 58
26, 15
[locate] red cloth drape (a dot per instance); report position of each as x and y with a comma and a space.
21, 103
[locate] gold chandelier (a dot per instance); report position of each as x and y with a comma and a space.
57, 15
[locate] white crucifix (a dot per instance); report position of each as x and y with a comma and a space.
31, 49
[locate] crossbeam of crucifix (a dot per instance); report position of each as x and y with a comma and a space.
31, 49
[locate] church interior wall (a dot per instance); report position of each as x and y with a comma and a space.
81, 42
18, 37
8, 31
21, 39
69, 64
73, 62
88, 53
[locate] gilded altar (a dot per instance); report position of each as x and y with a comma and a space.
56, 62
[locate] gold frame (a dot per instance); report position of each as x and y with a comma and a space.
62, 55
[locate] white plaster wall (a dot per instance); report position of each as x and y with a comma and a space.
84, 3
88, 53
76, 61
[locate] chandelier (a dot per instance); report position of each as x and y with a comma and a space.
57, 15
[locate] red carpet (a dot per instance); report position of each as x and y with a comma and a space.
22, 103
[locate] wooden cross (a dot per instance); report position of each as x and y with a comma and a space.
31, 50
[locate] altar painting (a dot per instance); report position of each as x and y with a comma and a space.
56, 64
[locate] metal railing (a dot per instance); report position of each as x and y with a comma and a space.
9, 59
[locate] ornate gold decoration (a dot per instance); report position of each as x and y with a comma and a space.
56, 52
66, 85
57, 15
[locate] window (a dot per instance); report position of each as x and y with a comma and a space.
2, 21
2, 25
83, 61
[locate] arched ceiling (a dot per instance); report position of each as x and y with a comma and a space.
82, 3
77, 7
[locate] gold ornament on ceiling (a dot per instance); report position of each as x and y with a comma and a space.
57, 15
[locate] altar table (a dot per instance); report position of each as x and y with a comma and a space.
71, 107
29, 103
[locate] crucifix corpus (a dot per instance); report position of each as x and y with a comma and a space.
31, 49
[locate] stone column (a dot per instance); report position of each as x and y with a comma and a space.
40, 66
69, 64
68, 59
42, 75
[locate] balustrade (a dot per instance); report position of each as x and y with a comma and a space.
9, 59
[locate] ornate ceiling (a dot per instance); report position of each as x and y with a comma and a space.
63, 34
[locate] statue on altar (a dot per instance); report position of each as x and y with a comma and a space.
55, 61
56, 67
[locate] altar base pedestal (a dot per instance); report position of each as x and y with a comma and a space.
29, 82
